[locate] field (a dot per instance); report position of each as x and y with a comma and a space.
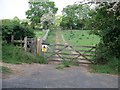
51, 37
39, 34
81, 37
74, 38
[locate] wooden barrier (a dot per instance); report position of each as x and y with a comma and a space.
25, 43
32, 45
38, 47
29, 44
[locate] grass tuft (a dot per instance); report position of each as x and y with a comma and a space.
5, 70
17, 55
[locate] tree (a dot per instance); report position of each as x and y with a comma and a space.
73, 16
15, 28
38, 9
106, 20
58, 20
47, 20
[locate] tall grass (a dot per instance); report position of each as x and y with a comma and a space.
4, 70
16, 55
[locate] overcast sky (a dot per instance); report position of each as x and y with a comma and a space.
11, 8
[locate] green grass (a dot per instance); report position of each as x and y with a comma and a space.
17, 55
80, 37
66, 64
4, 70
39, 34
103, 69
51, 37
112, 67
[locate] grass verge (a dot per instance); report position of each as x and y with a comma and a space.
17, 55
103, 69
4, 70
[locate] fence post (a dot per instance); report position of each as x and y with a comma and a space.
25, 43
12, 38
41, 42
35, 45
38, 47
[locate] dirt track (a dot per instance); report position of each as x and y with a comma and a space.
47, 76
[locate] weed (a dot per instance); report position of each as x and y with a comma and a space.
4, 70
60, 67
16, 55
68, 63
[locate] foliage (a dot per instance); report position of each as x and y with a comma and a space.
47, 20
38, 9
107, 22
16, 54
58, 20
67, 63
111, 68
13, 27
4, 70
74, 15
42, 60
60, 67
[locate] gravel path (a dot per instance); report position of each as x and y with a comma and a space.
47, 76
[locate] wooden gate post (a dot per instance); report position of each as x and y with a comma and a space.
12, 38
38, 47
25, 43
41, 43
33, 46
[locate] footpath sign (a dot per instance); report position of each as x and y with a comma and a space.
44, 48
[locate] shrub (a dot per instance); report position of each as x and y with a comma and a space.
16, 55
106, 24
11, 27
112, 67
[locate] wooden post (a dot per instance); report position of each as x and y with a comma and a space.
34, 46
12, 38
42, 54
38, 47
25, 43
